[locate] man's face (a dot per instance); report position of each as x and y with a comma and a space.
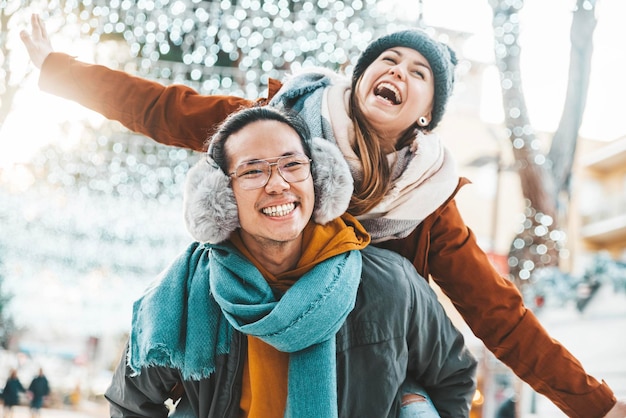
278, 211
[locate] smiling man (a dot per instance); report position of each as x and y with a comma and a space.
281, 309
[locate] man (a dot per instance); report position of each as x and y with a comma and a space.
285, 310
39, 389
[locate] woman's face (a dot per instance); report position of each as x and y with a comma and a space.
395, 90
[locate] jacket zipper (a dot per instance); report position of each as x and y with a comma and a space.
239, 362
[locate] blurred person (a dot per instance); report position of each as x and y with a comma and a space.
281, 308
73, 398
383, 119
39, 389
507, 408
11, 393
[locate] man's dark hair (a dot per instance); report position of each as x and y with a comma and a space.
239, 120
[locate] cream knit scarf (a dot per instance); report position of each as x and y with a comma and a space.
424, 172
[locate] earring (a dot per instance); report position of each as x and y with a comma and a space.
422, 121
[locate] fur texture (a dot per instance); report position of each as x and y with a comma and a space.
332, 180
209, 203
210, 209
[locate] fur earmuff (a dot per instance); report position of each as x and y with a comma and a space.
332, 181
209, 205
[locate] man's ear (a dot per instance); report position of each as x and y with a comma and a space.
332, 180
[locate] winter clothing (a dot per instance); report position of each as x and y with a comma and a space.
425, 174
11, 392
39, 388
441, 246
441, 58
397, 329
303, 322
212, 291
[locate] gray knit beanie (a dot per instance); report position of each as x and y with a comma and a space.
441, 58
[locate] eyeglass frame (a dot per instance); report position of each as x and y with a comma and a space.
269, 173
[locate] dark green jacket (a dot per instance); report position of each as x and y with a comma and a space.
397, 330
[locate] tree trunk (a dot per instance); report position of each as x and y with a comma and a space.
532, 247
563, 147
542, 177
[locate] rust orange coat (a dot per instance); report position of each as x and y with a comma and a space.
442, 247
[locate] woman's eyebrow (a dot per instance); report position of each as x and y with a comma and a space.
418, 62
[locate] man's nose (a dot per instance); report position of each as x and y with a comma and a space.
276, 182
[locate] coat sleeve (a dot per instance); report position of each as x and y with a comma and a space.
494, 310
438, 357
143, 395
172, 115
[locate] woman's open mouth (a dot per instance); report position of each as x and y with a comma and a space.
388, 92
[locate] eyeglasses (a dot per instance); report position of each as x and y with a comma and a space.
255, 174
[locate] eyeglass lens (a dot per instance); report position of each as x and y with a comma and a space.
256, 174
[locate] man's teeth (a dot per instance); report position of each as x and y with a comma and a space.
280, 210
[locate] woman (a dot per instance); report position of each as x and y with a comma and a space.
384, 112
11, 393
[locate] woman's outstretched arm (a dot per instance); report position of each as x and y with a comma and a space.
173, 115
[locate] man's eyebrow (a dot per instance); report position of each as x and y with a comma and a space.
285, 154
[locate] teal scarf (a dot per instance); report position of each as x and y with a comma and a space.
212, 289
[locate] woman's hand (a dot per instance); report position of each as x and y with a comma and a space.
37, 42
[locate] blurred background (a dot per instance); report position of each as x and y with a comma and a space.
90, 213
